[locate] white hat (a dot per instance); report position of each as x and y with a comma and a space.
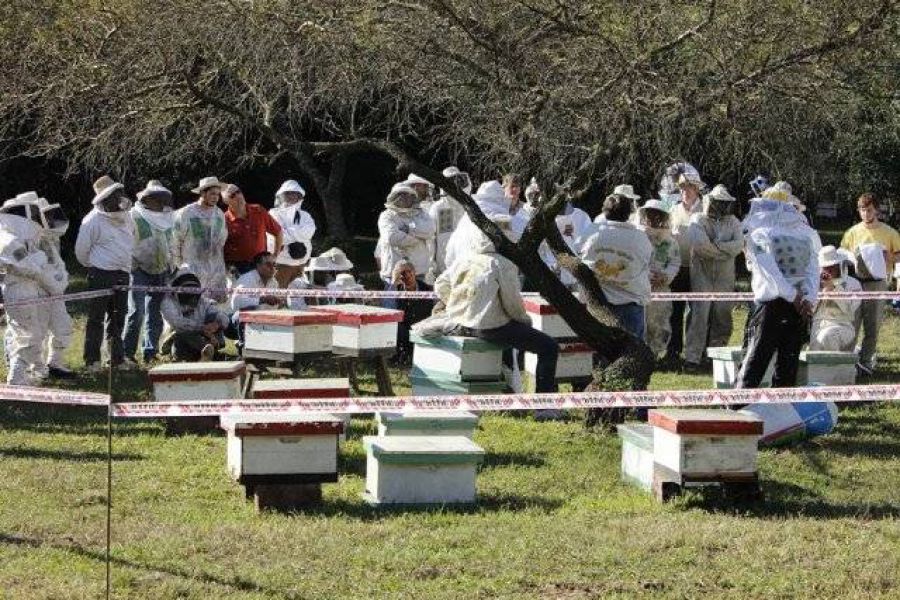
830, 256
627, 191
413, 179
154, 188
491, 192
344, 281
104, 188
333, 259
23, 199
206, 183
402, 188
290, 186
690, 178
720, 193
451, 171
654, 205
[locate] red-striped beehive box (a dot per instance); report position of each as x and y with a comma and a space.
283, 334
360, 328
545, 317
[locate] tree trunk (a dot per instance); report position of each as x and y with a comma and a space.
332, 197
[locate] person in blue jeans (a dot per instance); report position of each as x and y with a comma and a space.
153, 226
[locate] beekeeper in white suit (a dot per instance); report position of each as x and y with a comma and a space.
199, 240
446, 214
298, 229
27, 278
55, 224
405, 232
715, 240
833, 322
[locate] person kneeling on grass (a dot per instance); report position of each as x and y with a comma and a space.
482, 297
196, 326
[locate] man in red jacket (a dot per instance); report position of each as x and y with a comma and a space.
247, 227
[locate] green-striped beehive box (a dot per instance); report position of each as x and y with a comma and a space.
458, 358
457, 422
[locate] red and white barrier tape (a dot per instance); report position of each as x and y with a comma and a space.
487, 402
20, 393
62, 297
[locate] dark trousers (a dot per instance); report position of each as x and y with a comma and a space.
524, 337
186, 345
680, 312
105, 313
776, 328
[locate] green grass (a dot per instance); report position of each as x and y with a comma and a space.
552, 520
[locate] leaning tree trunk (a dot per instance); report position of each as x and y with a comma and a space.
332, 197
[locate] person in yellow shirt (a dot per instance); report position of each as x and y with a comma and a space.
875, 247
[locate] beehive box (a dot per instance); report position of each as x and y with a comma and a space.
637, 454
362, 329
283, 334
425, 383
442, 423
458, 358
575, 362
421, 469
545, 317
274, 448
827, 368
198, 381
705, 443
332, 387
727, 366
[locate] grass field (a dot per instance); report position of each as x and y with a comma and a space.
552, 521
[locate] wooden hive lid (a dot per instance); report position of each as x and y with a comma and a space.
704, 421
282, 424
335, 387
825, 357
431, 450
197, 371
538, 306
456, 342
450, 419
362, 314
288, 317
733, 353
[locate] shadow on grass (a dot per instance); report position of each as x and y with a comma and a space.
71, 420
355, 463
89, 456
789, 500
234, 582
484, 504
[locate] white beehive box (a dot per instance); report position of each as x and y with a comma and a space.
459, 422
198, 381
283, 334
705, 443
330, 387
457, 358
726, 362
421, 469
545, 317
361, 328
576, 361
827, 368
637, 454
282, 447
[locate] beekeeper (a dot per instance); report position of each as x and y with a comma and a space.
105, 245
297, 230
496, 205
716, 239
573, 225
782, 251
625, 191
833, 322
446, 214
55, 224
619, 255
405, 231
27, 278
154, 223
875, 247
199, 238
423, 190
665, 261
196, 325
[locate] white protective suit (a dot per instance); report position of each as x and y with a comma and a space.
492, 201
153, 239
782, 252
619, 254
404, 233
714, 245
297, 227
666, 261
27, 278
199, 243
581, 223
252, 280
60, 325
832, 323
446, 214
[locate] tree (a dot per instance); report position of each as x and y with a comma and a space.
580, 94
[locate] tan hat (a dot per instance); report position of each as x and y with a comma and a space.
830, 256
333, 259
625, 190
154, 188
690, 178
104, 188
206, 183
720, 193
